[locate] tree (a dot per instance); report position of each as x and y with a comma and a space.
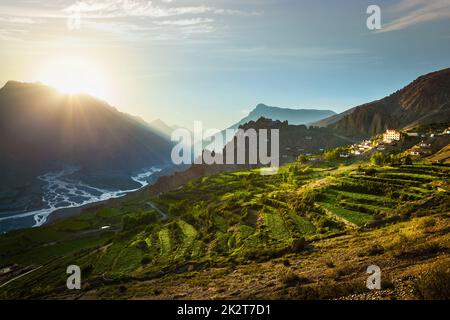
302, 159
377, 158
408, 160
332, 154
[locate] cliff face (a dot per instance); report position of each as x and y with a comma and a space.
426, 100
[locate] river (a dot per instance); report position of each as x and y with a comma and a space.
62, 191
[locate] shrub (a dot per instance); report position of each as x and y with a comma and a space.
435, 283
428, 223
330, 264
342, 271
131, 221
420, 251
146, 260
377, 158
290, 279
370, 171
87, 270
330, 290
407, 160
122, 288
302, 159
373, 250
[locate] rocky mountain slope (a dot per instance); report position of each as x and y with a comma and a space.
425, 100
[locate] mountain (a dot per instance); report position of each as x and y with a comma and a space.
43, 130
426, 100
296, 140
333, 119
293, 116
161, 127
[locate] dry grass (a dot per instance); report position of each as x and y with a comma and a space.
409, 261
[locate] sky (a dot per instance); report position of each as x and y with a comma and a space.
214, 60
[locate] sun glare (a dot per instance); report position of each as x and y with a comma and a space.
75, 76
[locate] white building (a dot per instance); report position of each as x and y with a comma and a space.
391, 135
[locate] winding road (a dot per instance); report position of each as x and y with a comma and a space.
164, 215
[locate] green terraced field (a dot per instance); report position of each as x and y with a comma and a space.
303, 225
188, 238
358, 218
165, 243
276, 225
364, 198
226, 218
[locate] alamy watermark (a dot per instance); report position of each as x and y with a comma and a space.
374, 20
74, 280
238, 147
374, 280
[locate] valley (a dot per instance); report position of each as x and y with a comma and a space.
224, 158
310, 226
340, 202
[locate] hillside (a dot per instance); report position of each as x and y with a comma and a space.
426, 100
43, 130
39, 125
442, 156
162, 128
309, 231
333, 119
295, 140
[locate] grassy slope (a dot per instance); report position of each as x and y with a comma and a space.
230, 221
333, 268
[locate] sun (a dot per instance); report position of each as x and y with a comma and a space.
75, 76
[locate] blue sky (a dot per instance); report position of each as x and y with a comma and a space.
182, 60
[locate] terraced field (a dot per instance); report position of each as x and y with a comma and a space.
229, 218
349, 217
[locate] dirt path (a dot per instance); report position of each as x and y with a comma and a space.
19, 276
164, 216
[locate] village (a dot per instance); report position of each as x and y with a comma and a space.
415, 142
420, 143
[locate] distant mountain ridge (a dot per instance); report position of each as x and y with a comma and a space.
426, 100
163, 128
292, 116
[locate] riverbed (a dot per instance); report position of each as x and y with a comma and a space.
65, 189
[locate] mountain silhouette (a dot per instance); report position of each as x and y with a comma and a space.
293, 116
43, 130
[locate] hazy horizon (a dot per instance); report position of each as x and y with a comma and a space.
214, 61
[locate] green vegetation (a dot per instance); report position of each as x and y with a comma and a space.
224, 220
354, 217
335, 153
